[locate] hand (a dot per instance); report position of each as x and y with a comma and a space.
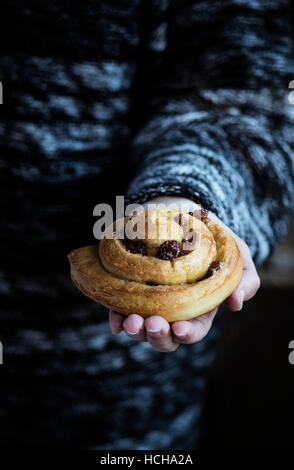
167, 337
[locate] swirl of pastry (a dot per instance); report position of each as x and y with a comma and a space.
163, 261
155, 229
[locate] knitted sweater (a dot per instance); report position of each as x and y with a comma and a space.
143, 97
219, 127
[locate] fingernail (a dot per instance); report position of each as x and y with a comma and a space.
132, 332
153, 331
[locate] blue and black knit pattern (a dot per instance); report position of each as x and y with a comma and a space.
220, 125
143, 97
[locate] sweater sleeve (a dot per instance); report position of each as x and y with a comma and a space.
219, 125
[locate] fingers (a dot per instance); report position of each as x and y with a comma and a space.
188, 332
249, 283
159, 334
155, 329
116, 322
134, 327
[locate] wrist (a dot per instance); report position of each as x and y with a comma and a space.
173, 201
181, 203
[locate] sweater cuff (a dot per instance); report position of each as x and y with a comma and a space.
141, 191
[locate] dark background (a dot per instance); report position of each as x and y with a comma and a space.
250, 397
249, 402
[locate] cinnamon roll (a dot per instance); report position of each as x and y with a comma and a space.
160, 262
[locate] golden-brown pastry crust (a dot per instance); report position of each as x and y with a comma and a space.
111, 284
148, 269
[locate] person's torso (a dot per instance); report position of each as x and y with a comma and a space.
65, 126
